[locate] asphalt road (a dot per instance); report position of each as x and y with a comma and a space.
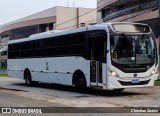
8, 99
14, 93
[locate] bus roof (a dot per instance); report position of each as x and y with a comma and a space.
57, 33
54, 33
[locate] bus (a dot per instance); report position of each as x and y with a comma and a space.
111, 56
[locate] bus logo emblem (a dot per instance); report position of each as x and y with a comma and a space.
135, 75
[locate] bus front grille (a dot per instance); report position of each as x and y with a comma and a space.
129, 83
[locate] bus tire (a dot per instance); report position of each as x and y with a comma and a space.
119, 90
28, 78
80, 82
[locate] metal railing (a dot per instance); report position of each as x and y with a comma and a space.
140, 7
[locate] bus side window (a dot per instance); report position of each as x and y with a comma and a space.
97, 43
78, 44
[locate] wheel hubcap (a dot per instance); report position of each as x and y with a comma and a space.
27, 79
80, 83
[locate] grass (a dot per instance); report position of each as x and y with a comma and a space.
3, 75
157, 83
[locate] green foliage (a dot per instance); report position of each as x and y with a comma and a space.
157, 83
3, 75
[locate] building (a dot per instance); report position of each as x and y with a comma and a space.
56, 18
143, 11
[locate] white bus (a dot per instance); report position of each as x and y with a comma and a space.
111, 56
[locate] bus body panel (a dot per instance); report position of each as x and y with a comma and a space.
58, 70
104, 75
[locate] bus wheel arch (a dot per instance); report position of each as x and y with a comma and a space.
27, 77
79, 80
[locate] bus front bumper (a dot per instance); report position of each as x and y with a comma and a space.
118, 83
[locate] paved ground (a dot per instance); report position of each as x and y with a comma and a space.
16, 93
7, 99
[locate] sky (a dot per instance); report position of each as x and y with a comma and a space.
11, 10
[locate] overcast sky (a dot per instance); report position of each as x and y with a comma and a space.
11, 10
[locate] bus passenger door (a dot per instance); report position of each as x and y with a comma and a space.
98, 57
95, 73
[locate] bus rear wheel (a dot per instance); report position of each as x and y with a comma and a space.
28, 78
80, 84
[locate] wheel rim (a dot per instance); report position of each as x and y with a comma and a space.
28, 81
80, 83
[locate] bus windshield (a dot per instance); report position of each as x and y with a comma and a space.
132, 49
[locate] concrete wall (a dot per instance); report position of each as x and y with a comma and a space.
65, 14
90, 17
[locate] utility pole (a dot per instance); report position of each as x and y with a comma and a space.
78, 9
159, 40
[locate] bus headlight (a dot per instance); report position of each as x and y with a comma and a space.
113, 73
153, 72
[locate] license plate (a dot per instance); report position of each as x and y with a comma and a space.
135, 81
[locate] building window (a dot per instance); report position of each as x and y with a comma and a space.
46, 27
23, 32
